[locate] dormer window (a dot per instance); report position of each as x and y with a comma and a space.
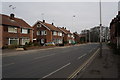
38, 25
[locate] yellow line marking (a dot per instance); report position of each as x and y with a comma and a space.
81, 67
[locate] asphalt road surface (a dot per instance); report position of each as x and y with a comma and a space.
53, 63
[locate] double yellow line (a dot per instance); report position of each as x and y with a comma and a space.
83, 65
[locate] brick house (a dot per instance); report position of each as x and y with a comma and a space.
76, 37
14, 31
44, 32
68, 36
115, 30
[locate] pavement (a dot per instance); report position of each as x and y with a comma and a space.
14, 52
106, 67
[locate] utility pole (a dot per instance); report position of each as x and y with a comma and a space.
100, 30
89, 36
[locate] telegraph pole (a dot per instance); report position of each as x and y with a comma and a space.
100, 30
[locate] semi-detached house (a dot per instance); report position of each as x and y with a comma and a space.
68, 37
45, 32
14, 31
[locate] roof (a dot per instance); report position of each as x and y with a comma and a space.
50, 26
77, 34
6, 20
65, 31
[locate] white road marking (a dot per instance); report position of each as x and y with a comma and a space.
8, 64
57, 70
82, 56
43, 56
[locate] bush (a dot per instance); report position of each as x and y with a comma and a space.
10, 46
66, 42
36, 44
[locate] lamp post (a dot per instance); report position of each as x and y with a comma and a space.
89, 37
100, 30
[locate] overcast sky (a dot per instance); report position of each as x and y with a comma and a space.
76, 16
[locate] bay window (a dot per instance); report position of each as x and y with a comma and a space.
13, 41
25, 40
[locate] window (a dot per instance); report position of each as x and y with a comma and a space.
59, 34
70, 41
60, 41
13, 41
38, 25
38, 32
24, 31
25, 40
12, 29
43, 33
54, 33
68, 35
72, 36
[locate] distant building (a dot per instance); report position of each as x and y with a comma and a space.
85, 34
14, 31
95, 34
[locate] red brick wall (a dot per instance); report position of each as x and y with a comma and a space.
7, 35
1, 43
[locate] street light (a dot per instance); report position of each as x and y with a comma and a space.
100, 30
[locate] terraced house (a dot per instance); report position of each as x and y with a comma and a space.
45, 32
68, 36
14, 31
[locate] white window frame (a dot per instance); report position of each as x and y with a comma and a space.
54, 33
13, 39
39, 25
44, 32
38, 32
14, 29
24, 31
23, 43
68, 35
59, 33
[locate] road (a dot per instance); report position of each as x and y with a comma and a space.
52, 63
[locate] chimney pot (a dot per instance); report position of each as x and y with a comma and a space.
43, 21
12, 15
52, 23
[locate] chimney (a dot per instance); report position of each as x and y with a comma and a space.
118, 12
12, 16
43, 21
52, 23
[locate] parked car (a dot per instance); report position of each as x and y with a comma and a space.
50, 44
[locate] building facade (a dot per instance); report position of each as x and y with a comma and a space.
68, 37
44, 33
15, 31
76, 37
115, 30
